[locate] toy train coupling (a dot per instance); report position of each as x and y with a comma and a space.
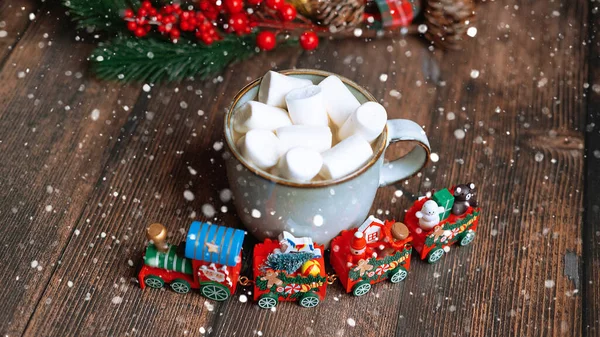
331, 278
245, 281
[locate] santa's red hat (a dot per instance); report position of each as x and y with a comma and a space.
358, 241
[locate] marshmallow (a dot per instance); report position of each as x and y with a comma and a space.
256, 115
339, 101
260, 147
306, 106
299, 164
316, 138
367, 121
274, 86
346, 157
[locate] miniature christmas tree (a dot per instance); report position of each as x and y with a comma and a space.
289, 263
444, 199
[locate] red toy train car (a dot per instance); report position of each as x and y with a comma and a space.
372, 253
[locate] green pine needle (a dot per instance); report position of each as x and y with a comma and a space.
100, 15
154, 58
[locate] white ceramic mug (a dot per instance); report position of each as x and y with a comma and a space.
268, 204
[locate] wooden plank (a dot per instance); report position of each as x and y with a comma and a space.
53, 147
512, 281
15, 18
591, 226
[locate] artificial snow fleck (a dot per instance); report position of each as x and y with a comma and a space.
31, 16
318, 220
70, 284
209, 306
225, 195
3, 33
192, 171
255, 213
117, 300
351, 322
398, 193
21, 74
150, 55
183, 104
450, 116
218, 146
459, 133
474, 73
597, 153
48, 208
422, 28
395, 93
436, 275
208, 210
95, 114
549, 283
383, 77
243, 298
146, 88
472, 31
202, 330
103, 235
452, 308
434, 157
542, 83
34, 264
539, 157
188, 195
130, 263
49, 189
77, 231
358, 32
100, 58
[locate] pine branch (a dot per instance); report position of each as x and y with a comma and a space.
153, 59
100, 15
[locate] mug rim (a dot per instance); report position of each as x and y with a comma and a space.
312, 184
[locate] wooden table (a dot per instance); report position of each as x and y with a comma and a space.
87, 164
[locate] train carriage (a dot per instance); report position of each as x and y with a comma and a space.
370, 254
304, 280
433, 244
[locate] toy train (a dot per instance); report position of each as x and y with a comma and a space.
292, 269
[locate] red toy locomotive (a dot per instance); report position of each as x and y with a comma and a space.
209, 260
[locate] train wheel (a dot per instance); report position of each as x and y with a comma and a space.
154, 281
435, 255
467, 238
180, 286
361, 288
215, 291
268, 301
398, 275
310, 300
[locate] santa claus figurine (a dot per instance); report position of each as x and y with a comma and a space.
358, 249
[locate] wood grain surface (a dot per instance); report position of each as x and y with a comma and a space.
88, 164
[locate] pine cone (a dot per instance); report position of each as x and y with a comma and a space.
338, 15
448, 20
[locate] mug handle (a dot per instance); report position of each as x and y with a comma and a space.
400, 130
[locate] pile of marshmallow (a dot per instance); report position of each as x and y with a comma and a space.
304, 132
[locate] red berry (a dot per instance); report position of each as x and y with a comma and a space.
274, 4
175, 34
234, 6
152, 11
146, 4
266, 40
140, 31
254, 2
238, 23
132, 26
309, 40
128, 13
142, 12
186, 26
287, 12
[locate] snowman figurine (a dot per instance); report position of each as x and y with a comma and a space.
429, 215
